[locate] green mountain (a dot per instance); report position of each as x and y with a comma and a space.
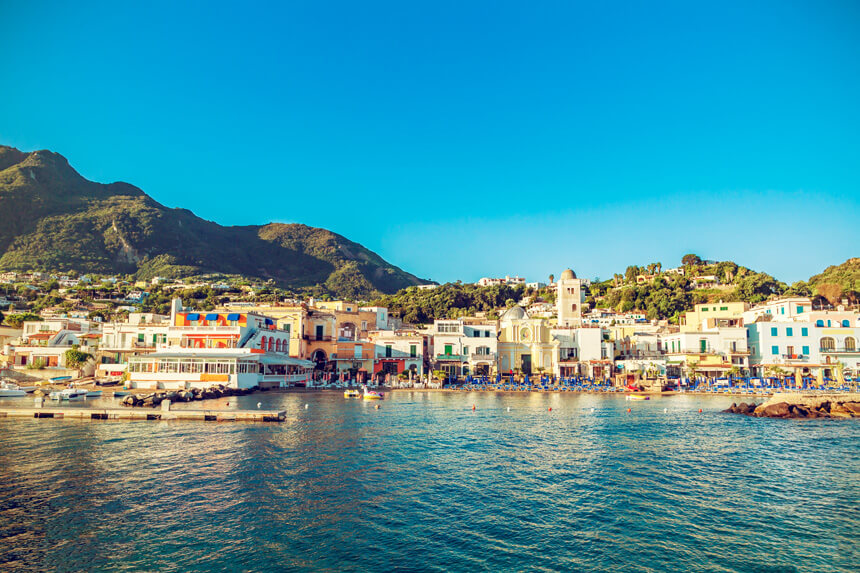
846, 275
53, 219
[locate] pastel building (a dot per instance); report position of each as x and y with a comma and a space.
398, 351
525, 343
713, 315
582, 352
465, 346
803, 347
710, 353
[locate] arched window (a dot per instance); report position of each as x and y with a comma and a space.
278, 345
819, 323
271, 344
827, 343
850, 344
264, 342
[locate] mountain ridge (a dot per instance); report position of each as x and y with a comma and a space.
53, 218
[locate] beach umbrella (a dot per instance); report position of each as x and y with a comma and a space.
798, 378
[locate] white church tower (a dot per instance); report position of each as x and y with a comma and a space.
569, 298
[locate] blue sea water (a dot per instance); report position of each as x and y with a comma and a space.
426, 484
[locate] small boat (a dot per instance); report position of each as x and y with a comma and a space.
9, 390
121, 393
61, 378
352, 394
94, 393
69, 394
637, 397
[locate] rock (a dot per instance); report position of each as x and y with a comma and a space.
798, 411
778, 410
839, 411
853, 407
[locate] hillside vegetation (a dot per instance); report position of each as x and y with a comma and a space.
52, 219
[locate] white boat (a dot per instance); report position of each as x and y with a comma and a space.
94, 393
9, 390
69, 394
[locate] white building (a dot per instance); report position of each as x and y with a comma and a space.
398, 351
804, 347
465, 346
710, 352
583, 352
487, 281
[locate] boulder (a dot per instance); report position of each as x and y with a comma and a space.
778, 410
839, 411
853, 407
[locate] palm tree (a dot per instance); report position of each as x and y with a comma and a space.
551, 278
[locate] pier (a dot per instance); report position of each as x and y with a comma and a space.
146, 414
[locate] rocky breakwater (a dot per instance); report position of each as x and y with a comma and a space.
793, 405
154, 399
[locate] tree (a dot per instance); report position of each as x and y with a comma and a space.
831, 291
16, 320
551, 279
1, 317
690, 259
76, 358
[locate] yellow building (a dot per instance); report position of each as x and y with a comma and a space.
525, 343
713, 315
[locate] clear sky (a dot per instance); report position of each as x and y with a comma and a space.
466, 139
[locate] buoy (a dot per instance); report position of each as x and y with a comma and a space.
628, 409
700, 410
509, 408
592, 409
665, 410
306, 406
550, 409
259, 405
473, 407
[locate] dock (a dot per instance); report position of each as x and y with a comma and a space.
145, 414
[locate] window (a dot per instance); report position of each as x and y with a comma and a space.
846, 324
774, 350
828, 343
773, 331
799, 310
705, 309
388, 351
789, 350
724, 308
782, 310
805, 350
140, 337
789, 332
447, 327
364, 325
573, 307
413, 351
804, 331
449, 349
357, 351
819, 323
850, 344
320, 331
466, 350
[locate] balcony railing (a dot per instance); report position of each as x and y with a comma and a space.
476, 357
840, 350
794, 356
451, 357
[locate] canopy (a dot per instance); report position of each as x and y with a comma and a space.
193, 316
212, 316
233, 316
270, 321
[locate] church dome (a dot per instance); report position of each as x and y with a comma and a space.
568, 274
514, 313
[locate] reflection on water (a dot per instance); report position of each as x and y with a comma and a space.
426, 483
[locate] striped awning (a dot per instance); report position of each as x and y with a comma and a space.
192, 316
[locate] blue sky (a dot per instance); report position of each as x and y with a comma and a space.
466, 139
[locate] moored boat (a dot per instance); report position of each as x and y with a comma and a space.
69, 394
9, 390
94, 393
637, 397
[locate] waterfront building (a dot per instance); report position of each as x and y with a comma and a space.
781, 309
582, 351
710, 352
465, 346
570, 298
806, 348
235, 368
398, 351
525, 343
712, 315
45, 342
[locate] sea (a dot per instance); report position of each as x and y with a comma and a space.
522, 482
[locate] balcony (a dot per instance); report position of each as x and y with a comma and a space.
794, 357
314, 338
451, 358
490, 357
840, 350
